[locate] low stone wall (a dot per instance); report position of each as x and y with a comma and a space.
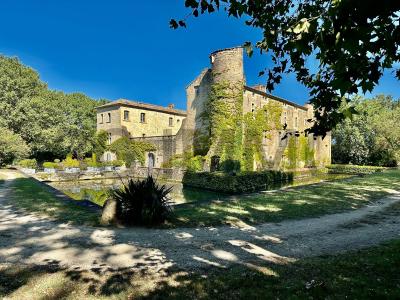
136, 172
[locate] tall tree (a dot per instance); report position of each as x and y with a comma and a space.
354, 41
50, 122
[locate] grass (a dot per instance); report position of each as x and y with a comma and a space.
31, 196
291, 203
367, 274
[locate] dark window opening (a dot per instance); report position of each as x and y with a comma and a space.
142, 117
126, 115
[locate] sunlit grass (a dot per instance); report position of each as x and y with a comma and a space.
31, 196
292, 203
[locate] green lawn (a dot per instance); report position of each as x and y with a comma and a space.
31, 196
292, 203
368, 274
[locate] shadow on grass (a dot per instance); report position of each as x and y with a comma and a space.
366, 274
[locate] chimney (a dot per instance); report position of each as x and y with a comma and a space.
171, 106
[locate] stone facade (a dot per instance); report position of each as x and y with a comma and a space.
141, 121
174, 131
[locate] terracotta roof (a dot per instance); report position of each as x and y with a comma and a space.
146, 106
274, 97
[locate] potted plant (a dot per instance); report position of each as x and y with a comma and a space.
28, 166
71, 165
50, 167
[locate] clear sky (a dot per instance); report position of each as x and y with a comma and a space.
125, 48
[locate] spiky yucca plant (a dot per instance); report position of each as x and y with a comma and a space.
142, 202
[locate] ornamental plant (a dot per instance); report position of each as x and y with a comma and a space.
142, 202
28, 163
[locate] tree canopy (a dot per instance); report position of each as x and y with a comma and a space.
353, 41
371, 137
51, 123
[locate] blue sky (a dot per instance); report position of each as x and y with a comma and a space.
125, 48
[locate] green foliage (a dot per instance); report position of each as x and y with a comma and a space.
70, 162
12, 147
142, 202
292, 152
238, 183
129, 151
305, 152
187, 160
353, 42
224, 116
28, 163
354, 169
100, 143
51, 123
50, 165
372, 137
256, 125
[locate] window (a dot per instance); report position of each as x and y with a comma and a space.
142, 117
144, 135
126, 115
108, 117
109, 138
101, 119
197, 90
252, 107
295, 122
171, 122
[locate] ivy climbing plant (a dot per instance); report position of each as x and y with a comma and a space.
224, 115
258, 125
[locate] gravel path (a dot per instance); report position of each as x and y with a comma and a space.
28, 238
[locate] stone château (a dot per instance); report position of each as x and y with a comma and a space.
219, 122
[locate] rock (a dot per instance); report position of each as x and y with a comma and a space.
109, 214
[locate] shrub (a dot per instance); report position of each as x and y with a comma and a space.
12, 147
142, 202
50, 165
28, 163
354, 169
69, 162
236, 183
57, 161
117, 163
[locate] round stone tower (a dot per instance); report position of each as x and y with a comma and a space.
227, 65
226, 109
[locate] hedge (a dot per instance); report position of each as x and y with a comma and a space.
354, 169
244, 182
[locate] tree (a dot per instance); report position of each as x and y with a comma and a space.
52, 123
353, 42
17, 84
370, 137
12, 147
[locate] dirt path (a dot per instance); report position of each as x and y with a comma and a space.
27, 238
